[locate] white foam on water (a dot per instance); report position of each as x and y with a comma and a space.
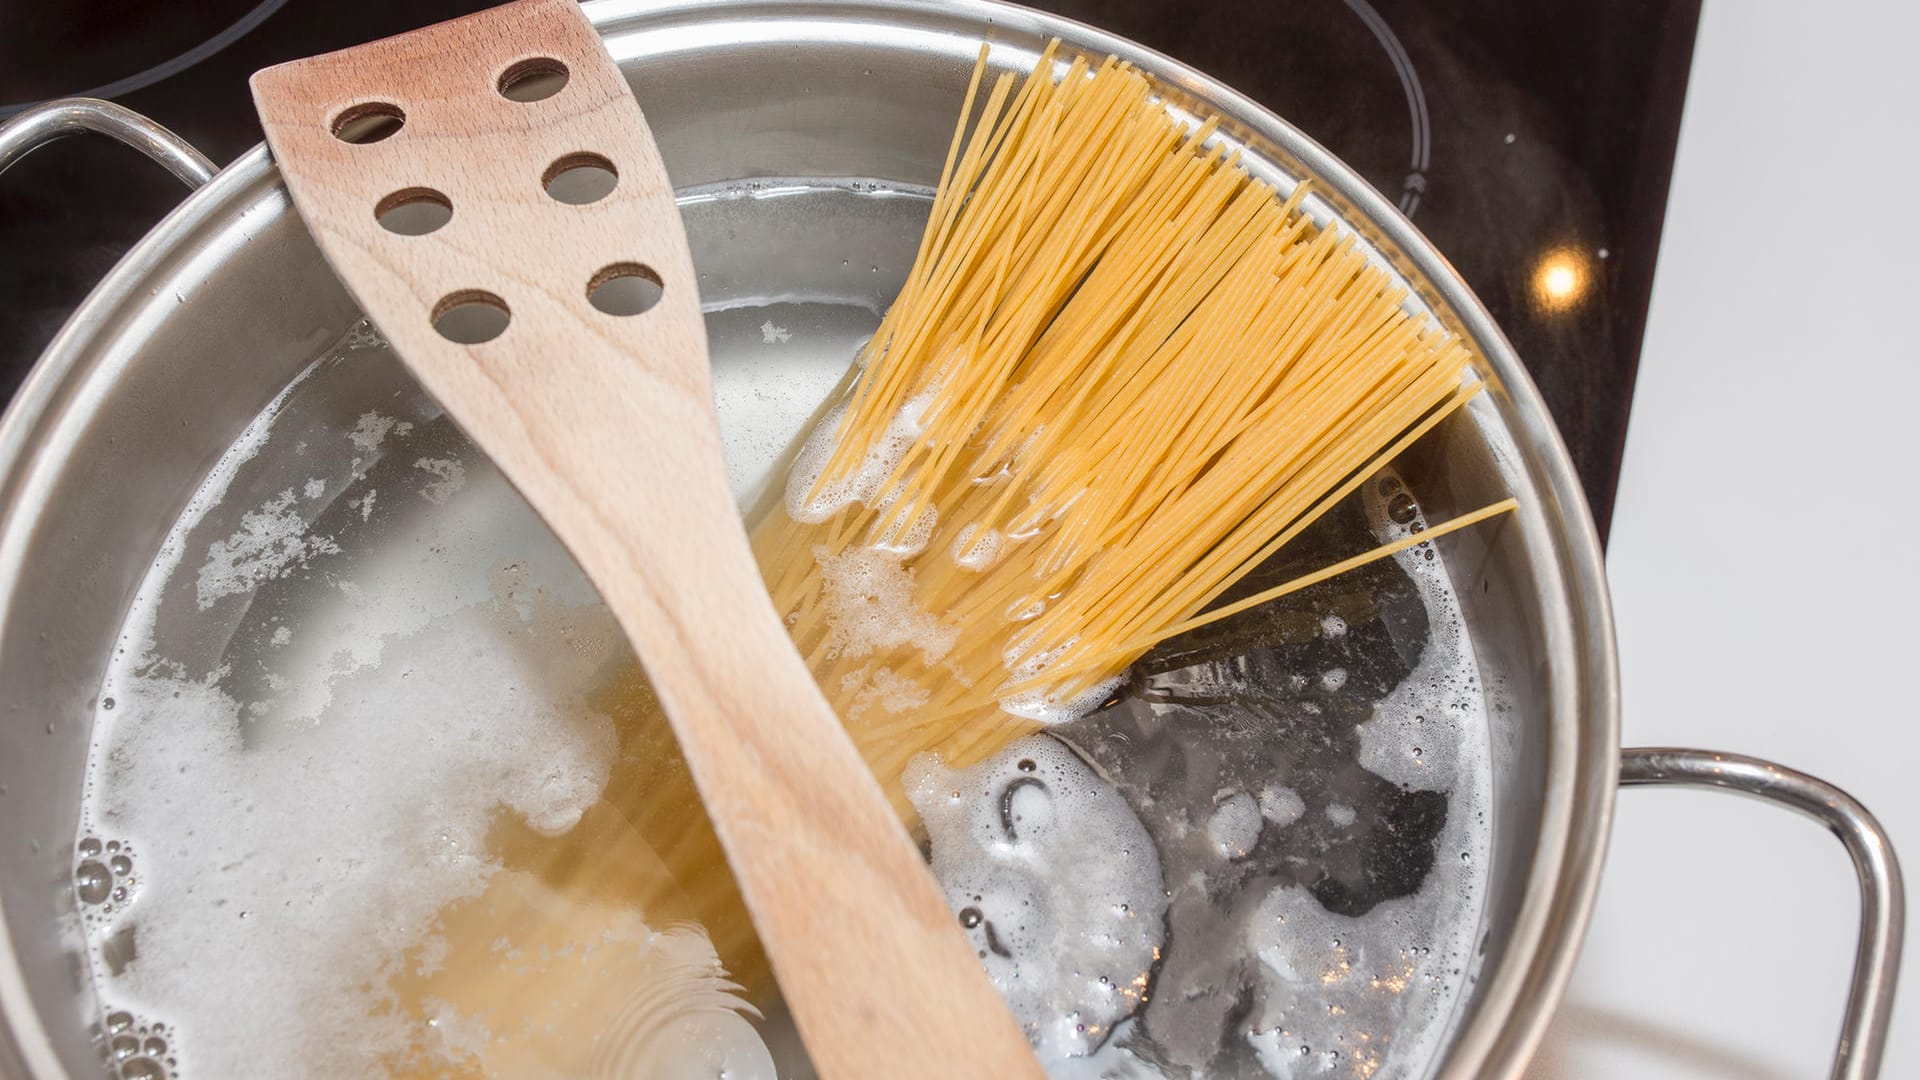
297, 848
1056, 882
425, 567
449, 476
1430, 732
976, 549
286, 876
891, 691
867, 595
1347, 997
270, 542
1113, 1061
1281, 805
1051, 707
1234, 828
1049, 704
912, 539
371, 430
1374, 996
1026, 611
863, 486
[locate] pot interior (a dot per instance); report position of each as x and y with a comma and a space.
803, 140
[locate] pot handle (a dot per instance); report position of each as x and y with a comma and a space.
33, 128
1876, 964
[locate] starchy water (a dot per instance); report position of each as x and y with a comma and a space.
365, 764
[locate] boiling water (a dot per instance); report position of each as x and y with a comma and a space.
365, 766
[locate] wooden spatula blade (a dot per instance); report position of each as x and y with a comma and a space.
604, 420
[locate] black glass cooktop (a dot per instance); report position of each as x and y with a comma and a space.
1532, 142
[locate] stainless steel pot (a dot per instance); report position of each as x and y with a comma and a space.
224, 301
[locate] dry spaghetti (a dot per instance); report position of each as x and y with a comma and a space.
1121, 374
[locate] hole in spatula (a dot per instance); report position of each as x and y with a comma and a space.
579, 179
368, 122
470, 317
533, 80
625, 289
414, 211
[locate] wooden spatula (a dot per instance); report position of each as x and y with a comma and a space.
443, 187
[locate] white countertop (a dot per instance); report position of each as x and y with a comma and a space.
1763, 559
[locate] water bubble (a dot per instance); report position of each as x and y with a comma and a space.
113, 845
120, 894
154, 1046
970, 917
125, 1046
90, 846
1402, 509
120, 865
1027, 765
119, 1021
92, 882
142, 1068
107, 704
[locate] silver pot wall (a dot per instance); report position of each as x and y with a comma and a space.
225, 301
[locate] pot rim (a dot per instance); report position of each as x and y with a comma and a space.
48, 416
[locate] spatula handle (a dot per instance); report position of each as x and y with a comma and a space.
605, 423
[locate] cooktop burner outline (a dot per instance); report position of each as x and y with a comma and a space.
1416, 182
167, 69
